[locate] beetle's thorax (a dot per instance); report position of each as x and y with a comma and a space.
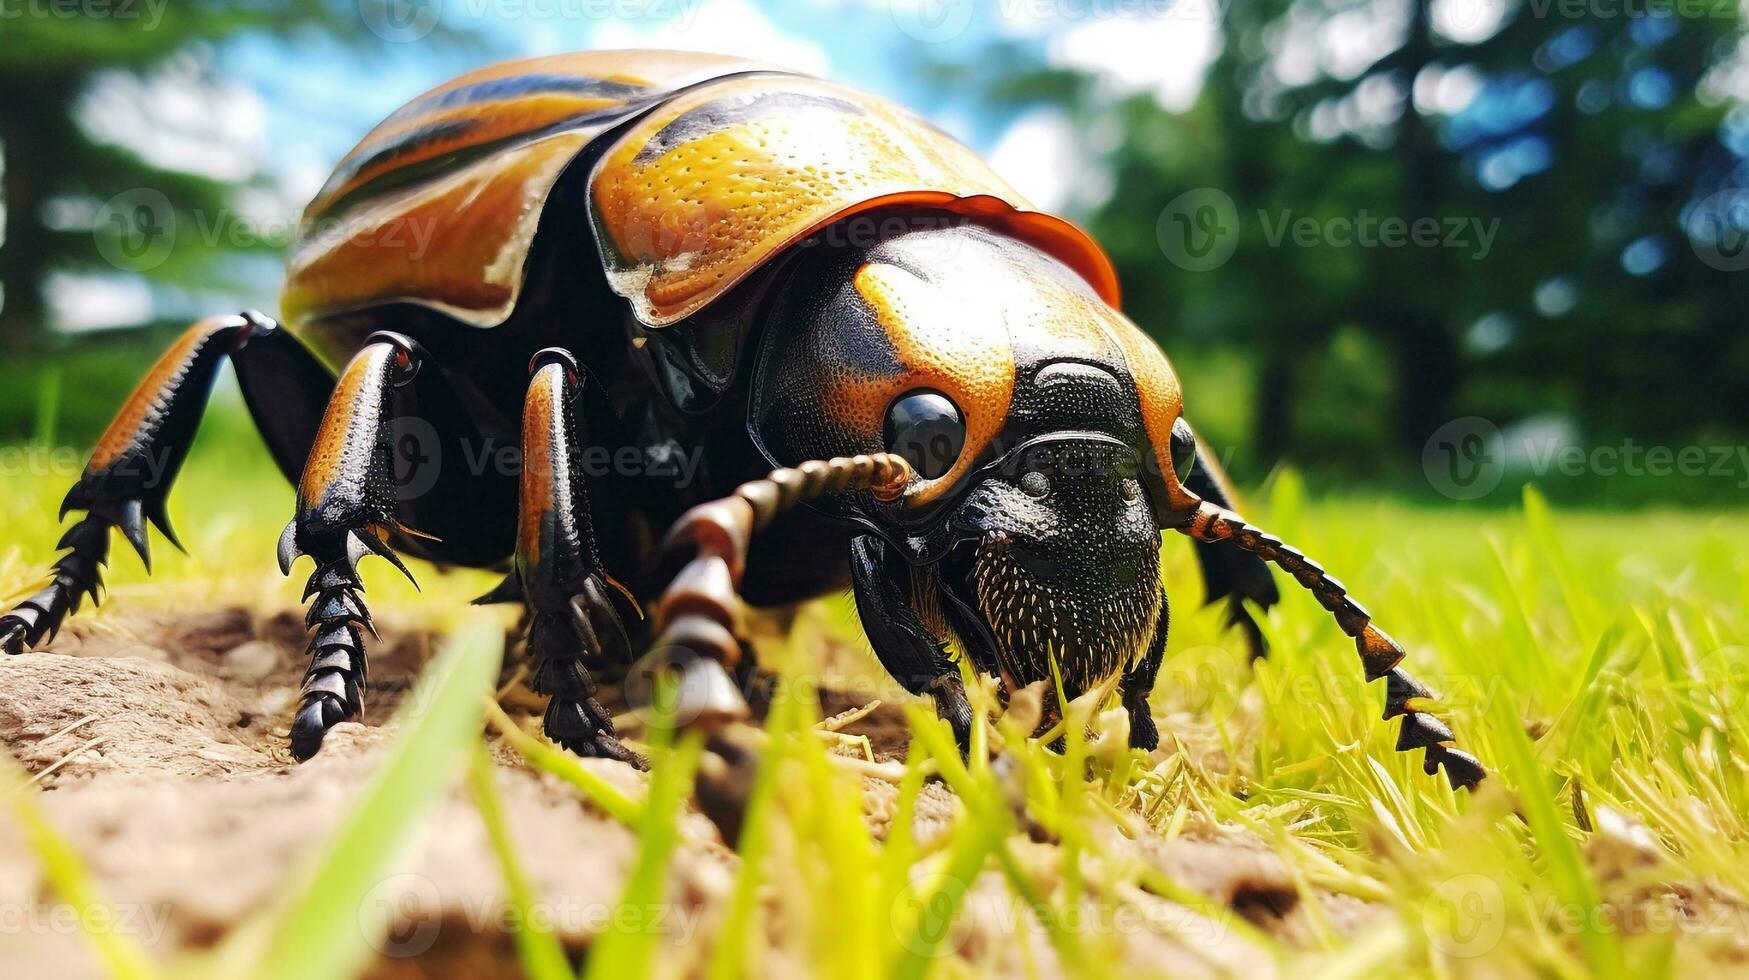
1037, 522
988, 321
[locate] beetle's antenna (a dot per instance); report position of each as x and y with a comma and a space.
1379, 654
698, 617
700, 620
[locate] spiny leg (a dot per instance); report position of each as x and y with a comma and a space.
1379, 654
1230, 573
1138, 683
128, 478
909, 650
346, 505
558, 570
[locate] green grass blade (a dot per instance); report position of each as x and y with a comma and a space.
548, 758
48, 406
538, 949
65, 871
730, 958
1566, 871
976, 836
324, 927
628, 948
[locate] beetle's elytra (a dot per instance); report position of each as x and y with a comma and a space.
757, 336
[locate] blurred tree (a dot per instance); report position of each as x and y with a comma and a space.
50, 54
1580, 162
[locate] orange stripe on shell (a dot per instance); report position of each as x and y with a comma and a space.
457, 246
455, 238
680, 224
450, 132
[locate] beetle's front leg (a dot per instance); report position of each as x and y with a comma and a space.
1138, 683
346, 506
914, 656
127, 482
558, 570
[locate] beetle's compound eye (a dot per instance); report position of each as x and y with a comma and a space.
926, 428
1183, 449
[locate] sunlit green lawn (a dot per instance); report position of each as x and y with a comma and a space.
1597, 663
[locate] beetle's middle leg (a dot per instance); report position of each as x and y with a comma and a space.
346, 507
910, 651
558, 570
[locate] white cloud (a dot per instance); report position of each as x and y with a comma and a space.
1167, 54
180, 117
720, 26
1040, 155
95, 302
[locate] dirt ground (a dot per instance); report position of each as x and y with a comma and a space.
160, 742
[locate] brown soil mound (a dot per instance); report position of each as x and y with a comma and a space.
161, 744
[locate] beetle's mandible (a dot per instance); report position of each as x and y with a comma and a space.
826, 345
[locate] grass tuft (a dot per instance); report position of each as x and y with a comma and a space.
1598, 663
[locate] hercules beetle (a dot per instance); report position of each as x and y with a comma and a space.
761, 269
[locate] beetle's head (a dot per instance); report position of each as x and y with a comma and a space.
1038, 422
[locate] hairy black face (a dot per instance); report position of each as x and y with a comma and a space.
1065, 563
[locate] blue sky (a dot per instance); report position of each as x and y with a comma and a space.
317, 98
282, 110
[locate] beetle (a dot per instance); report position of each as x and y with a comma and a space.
829, 345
